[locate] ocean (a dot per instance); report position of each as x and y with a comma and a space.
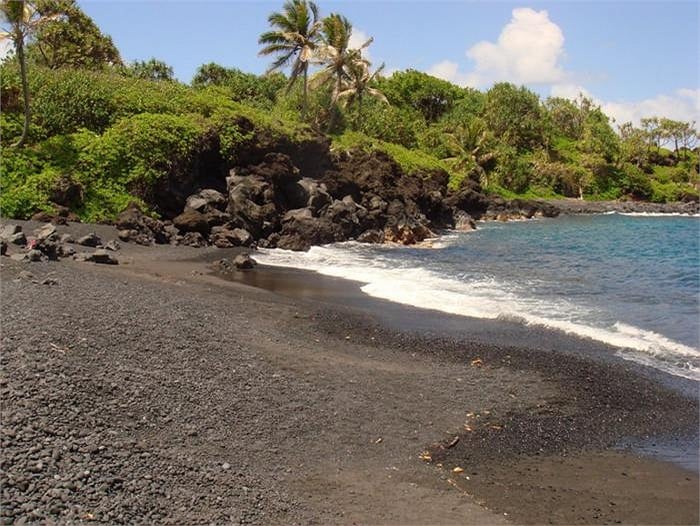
631, 281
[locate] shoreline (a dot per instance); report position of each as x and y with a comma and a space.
388, 384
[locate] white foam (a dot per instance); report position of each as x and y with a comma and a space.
656, 214
387, 278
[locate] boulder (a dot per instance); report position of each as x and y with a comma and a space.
312, 194
10, 230
244, 262
100, 256
18, 239
206, 200
48, 246
301, 234
34, 255
89, 240
66, 238
193, 239
192, 221
347, 214
66, 192
463, 221
224, 237
65, 251
407, 231
371, 236
45, 231
45, 217
136, 227
112, 245
298, 214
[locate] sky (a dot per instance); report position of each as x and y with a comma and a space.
635, 59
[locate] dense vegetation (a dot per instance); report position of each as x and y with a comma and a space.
114, 129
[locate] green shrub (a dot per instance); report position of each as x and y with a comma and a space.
139, 150
391, 124
410, 160
635, 182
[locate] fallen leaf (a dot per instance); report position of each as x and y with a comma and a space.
477, 362
457, 470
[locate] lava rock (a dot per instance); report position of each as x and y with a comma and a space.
192, 221
9, 230
90, 240
18, 239
244, 262
100, 256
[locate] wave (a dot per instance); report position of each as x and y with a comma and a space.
654, 214
385, 276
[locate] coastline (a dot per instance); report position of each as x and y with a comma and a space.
543, 427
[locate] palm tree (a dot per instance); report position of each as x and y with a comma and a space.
357, 84
470, 141
22, 20
294, 39
336, 56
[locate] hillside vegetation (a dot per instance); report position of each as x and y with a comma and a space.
112, 131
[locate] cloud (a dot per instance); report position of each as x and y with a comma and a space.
357, 38
529, 50
448, 70
683, 105
6, 48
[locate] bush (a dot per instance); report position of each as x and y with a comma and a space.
391, 124
635, 182
513, 172
410, 160
138, 151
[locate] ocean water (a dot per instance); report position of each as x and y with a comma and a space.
631, 281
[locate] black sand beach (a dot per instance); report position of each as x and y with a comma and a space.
157, 392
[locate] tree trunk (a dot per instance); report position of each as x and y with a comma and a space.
305, 101
358, 118
334, 99
19, 43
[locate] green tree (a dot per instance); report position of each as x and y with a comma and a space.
472, 144
294, 39
211, 74
70, 38
357, 84
22, 21
633, 144
152, 69
431, 96
515, 116
243, 87
335, 56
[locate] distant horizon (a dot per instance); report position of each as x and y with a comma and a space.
622, 55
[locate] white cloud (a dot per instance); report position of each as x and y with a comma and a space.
528, 51
357, 38
569, 91
5, 48
683, 105
448, 70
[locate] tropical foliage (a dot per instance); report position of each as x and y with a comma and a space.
116, 129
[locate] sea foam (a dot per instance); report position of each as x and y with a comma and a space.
386, 277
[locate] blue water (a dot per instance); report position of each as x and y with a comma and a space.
630, 281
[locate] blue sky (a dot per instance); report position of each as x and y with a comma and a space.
631, 57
